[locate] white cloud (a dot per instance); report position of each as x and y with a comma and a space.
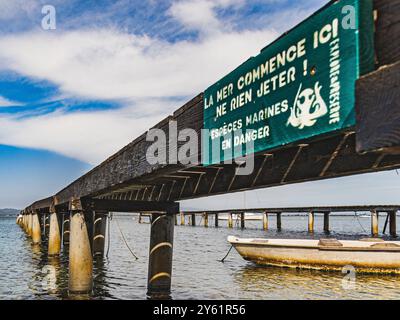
87, 136
107, 64
8, 103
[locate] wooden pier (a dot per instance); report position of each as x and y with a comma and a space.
127, 182
239, 215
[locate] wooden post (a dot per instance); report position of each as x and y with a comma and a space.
140, 218
54, 245
392, 223
175, 218
193, 219
65, 228
80, 255
311, 222
265, 220
30, 224
279, 221
160, 255
230, 220
216, 220
374, 223
242, 220
326, 222
205, 215
182, 219
99, 233
36, 234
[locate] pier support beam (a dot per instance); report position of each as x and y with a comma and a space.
65, 229
205, 215
193, 220
374, 223
182, 219
392, 223
265, 220
279, 221
160, 255
80, 255
36, 234
140, 218
216, 220
99, 233
54, 245
311, 222
326, 222
230, 220
30, 224
242, 220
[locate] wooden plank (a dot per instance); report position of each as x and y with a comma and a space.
378, 109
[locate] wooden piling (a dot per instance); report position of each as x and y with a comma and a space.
265, 220
374, 223
30, 217
216, 220
140, 218
193, 220
279, 221
80, 255
65, 229
54, 244
182, 219
326, 222
242, 220
99, 233
311, 222
392, 223
160, 255
205, 215
36, 234
230, 220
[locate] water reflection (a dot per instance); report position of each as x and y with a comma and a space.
28, 273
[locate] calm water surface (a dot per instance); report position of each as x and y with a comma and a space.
27, 273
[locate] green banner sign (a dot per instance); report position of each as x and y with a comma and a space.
300, 86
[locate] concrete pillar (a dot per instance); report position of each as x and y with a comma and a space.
193, 220
279, 221
182, 219
43, 225
374, 223
205, 215
216, 220
242, 220
54, 245
30, 224
311, 222
392, 223
65, 229
265, 220
36, 234
80, 255
99, 233
230, 220
160, 255
326, 222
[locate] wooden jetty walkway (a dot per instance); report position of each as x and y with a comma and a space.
126, 182
240, 216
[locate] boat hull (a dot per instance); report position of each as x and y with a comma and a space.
312, 256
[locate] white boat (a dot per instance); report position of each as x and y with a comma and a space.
365, 255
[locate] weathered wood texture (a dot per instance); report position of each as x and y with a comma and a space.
377, 94
128, 176
378, 109
387, 44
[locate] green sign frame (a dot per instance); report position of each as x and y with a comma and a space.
300, 86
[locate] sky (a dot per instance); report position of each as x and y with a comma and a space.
72, 96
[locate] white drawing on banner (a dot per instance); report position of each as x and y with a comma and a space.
308, 107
